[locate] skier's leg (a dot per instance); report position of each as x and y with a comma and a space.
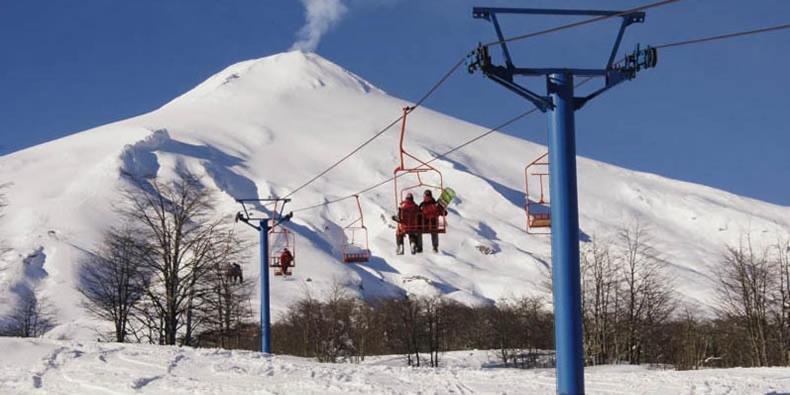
435, 241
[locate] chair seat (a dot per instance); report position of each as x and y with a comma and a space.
422, 229
356, 257
540, 220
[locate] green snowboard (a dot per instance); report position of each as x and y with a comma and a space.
447, 196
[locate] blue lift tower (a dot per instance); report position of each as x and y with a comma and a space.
561, 103
263, 227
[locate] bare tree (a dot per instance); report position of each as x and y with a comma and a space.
645, 292
176, 221
114, 278
688, 341
32, 317
782, 267
599, 286
366, 331
410, 318
433, 309
536, 329
503, 327
336, 338
326, 330
225, 295
745, 281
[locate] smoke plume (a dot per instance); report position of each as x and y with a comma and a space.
321, 15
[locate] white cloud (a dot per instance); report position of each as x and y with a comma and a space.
321, 15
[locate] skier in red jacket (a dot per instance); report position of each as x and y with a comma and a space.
408, 219
286, 258
431, 210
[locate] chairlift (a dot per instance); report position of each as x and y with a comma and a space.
282, 242
355, 247
538, 210
419, 175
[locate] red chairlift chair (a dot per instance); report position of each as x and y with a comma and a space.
355, 248
538, 211
421, 171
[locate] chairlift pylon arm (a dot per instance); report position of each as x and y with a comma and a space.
247, 217
614, 73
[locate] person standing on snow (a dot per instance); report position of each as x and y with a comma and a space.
408, 219
431, 210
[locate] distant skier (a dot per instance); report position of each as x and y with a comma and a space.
431, 210
408, 219
238, 272
233, 273
286, 258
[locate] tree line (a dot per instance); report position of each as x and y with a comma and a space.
632, 315
344, 328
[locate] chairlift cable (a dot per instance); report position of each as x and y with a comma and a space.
446, 76
722, 36
518, 117
445, 154
390, 179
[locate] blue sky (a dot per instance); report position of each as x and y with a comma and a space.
714, 114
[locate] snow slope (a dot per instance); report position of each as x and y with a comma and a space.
61, 367
261, 127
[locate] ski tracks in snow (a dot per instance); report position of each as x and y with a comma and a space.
59, 367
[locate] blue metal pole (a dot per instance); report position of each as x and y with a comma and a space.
266, 325
565, 236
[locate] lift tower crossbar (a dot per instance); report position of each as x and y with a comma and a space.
561, 103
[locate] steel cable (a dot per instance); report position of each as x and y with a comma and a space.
445, 154
722, 36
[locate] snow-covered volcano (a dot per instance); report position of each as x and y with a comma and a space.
262, 127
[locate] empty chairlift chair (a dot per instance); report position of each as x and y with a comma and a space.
355, 246
537, 204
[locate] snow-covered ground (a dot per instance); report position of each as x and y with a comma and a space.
67, 367
262, 127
